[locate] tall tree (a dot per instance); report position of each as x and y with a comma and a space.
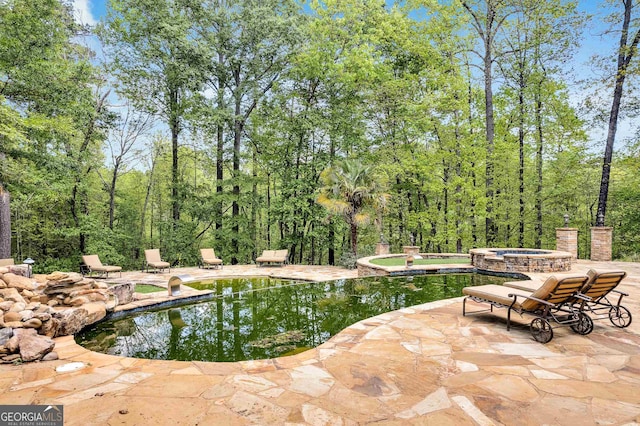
487, 19
158, 64
629, 39
130, 128
251, 42
44, 87
541, 37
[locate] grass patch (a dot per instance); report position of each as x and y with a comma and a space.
400, 261
148, 288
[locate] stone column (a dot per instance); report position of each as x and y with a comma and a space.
382, 248
601, 238
411, 250
567, 240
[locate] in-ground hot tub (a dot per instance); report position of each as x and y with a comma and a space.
520, 260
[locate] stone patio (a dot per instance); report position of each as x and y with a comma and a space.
422, 365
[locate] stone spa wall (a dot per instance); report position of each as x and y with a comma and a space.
520, 260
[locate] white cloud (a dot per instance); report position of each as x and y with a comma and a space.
82, 12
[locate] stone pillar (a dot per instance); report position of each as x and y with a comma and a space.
567, 240
382, 248
411, 250
601, 238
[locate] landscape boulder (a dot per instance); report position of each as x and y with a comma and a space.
32, 346
18, 281
34, 310
72, 320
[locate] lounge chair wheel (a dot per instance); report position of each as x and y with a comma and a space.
583, 324
620, 316
541, 330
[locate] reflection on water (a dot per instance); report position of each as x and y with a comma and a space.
257, 318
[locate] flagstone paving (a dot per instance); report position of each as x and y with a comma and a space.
421, 365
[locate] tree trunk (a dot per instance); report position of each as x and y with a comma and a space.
5, 224
458, 189
487, 29
219, 154
490, 231
269, 209
445, 175
174, 123
332, 232
331, 237
625, 54
539, 152
474, 223
521, 112
354, 239
237, 137
253, 226
112, 193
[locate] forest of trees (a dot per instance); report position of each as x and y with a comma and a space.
254, 124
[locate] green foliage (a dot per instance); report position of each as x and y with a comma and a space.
265, 102
148, 288
348, 260
353, 191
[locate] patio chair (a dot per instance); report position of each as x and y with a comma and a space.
553, 301
93, 264
209, 258
599, 286
154, 261
273, 256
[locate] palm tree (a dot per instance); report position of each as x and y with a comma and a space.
353, 190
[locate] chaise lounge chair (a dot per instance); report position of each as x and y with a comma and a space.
209, 258
93, 264
596, 290
553, 301
273, 256
601, 285
154, 261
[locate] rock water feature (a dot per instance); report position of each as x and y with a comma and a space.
34, 310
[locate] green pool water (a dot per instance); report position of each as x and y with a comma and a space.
258, 318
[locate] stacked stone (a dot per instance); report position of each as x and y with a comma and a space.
72, 289
34, 310
26, 320
601, 243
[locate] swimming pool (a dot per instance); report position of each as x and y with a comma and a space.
259, 318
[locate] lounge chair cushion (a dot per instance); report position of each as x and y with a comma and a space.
273, 256
553, 291
498, 294
526, 285
266, 256
209, 257
154, 260
94, 264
